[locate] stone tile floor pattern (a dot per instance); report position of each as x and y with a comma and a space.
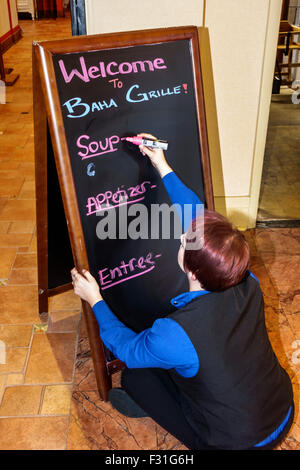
48, 392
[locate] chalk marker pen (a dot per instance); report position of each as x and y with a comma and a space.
159, 144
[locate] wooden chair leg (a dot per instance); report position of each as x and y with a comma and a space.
3, 72
2, 69
289, 66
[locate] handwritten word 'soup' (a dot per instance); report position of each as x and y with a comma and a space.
112, 68
95, 148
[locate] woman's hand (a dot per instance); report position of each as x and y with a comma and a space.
156, 156
86, 286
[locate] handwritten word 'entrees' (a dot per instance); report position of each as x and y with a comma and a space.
126, 271
112, 68
111, 200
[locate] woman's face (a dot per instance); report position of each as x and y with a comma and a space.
181, 251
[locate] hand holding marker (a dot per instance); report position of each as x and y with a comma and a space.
155, 154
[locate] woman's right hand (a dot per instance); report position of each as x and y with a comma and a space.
156, 156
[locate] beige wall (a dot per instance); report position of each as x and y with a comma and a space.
120, 15
243, 38
243, 44
4, 16
14, 12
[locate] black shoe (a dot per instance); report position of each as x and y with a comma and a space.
123, 403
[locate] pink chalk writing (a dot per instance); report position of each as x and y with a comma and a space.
110, 200
103, 70
95, 148
125, 271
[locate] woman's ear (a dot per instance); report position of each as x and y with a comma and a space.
191, 276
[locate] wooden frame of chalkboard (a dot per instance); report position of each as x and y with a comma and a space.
60, 234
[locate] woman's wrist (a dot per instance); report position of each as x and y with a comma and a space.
163, 169
95, 300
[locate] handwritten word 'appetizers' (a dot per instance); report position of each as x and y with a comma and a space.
111, 200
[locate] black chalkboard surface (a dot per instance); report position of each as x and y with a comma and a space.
98, 90
134, 96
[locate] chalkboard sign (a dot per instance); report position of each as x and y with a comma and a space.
95, 91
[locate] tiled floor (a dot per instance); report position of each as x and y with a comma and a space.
48, 393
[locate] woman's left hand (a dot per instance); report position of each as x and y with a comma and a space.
86, 286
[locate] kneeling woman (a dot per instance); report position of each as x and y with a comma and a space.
207, 372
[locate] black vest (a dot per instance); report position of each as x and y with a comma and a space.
240, 393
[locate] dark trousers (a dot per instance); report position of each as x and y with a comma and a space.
156, 393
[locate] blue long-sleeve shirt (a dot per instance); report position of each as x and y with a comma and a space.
184, 199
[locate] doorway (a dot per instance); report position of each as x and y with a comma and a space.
279, 204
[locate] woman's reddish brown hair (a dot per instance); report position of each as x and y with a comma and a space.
223, 258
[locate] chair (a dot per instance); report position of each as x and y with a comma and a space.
287, 45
